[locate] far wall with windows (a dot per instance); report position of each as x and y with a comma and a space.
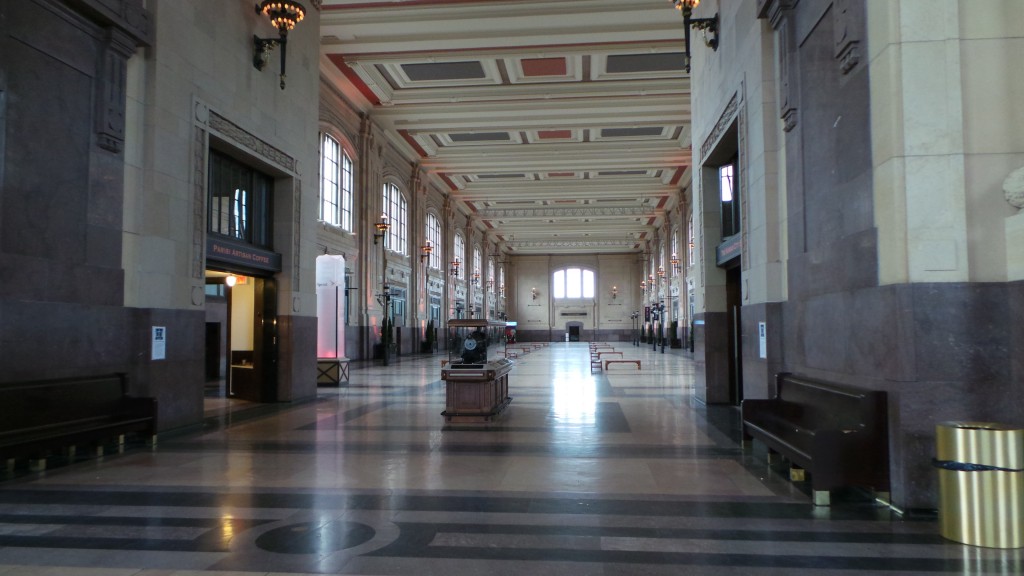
549, 293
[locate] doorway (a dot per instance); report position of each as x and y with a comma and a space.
733, 298
241, 333
573, 329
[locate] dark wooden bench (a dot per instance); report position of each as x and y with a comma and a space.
621, 361
45, 415
837, 433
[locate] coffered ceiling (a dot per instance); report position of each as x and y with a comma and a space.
562, 125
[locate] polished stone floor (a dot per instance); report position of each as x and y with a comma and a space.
613, 473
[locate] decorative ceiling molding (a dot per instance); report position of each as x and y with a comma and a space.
501, 214
565, 125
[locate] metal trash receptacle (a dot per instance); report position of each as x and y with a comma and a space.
981, 483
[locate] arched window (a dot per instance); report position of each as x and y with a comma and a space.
674, 259
335, 184
490, 275
690, 245
395, 212
573, 283
501, 281
477, 264
662, 257
460, 252
434, 238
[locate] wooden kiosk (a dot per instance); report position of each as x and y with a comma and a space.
476, 375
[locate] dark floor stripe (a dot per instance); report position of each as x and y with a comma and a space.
554, 450
446, 503
100, 543
234, 524
774, 535
728, 560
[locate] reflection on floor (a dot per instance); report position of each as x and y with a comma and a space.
613, 473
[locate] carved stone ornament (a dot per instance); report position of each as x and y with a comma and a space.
787, 78
724, 121
1013, 186
111, 87
847, 34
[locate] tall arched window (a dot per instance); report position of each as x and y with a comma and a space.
395, 211
477, 263
501, 281
675, 253
335, 184
690, 245
460, 252
663, 257
572, 283
490, 275
434, 238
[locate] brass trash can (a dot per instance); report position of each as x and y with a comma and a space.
981, 483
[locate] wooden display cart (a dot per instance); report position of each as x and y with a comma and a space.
476, 375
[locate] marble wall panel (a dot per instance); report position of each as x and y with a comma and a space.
1015, 297
176, 382
845, 264
297, 360
759, 373
881, 324
942, 352
42, 340
711, 356
961, 332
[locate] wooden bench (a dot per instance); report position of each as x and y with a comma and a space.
837, 433
46, 415
621, 361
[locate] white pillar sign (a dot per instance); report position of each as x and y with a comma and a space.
762, 336
159, 348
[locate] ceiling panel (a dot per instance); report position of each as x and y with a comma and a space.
562, 126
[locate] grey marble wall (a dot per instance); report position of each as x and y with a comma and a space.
711, 357
759, 373
297, 357
946, 351
949, 351
61, 283
63, 79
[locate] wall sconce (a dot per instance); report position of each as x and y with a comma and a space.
615, 292
476, 278
706, 25
533, 293
661, 272
425, 251
502, 288
643, 287
382, 228
675, 263
455, 268
490, 285
284, 15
